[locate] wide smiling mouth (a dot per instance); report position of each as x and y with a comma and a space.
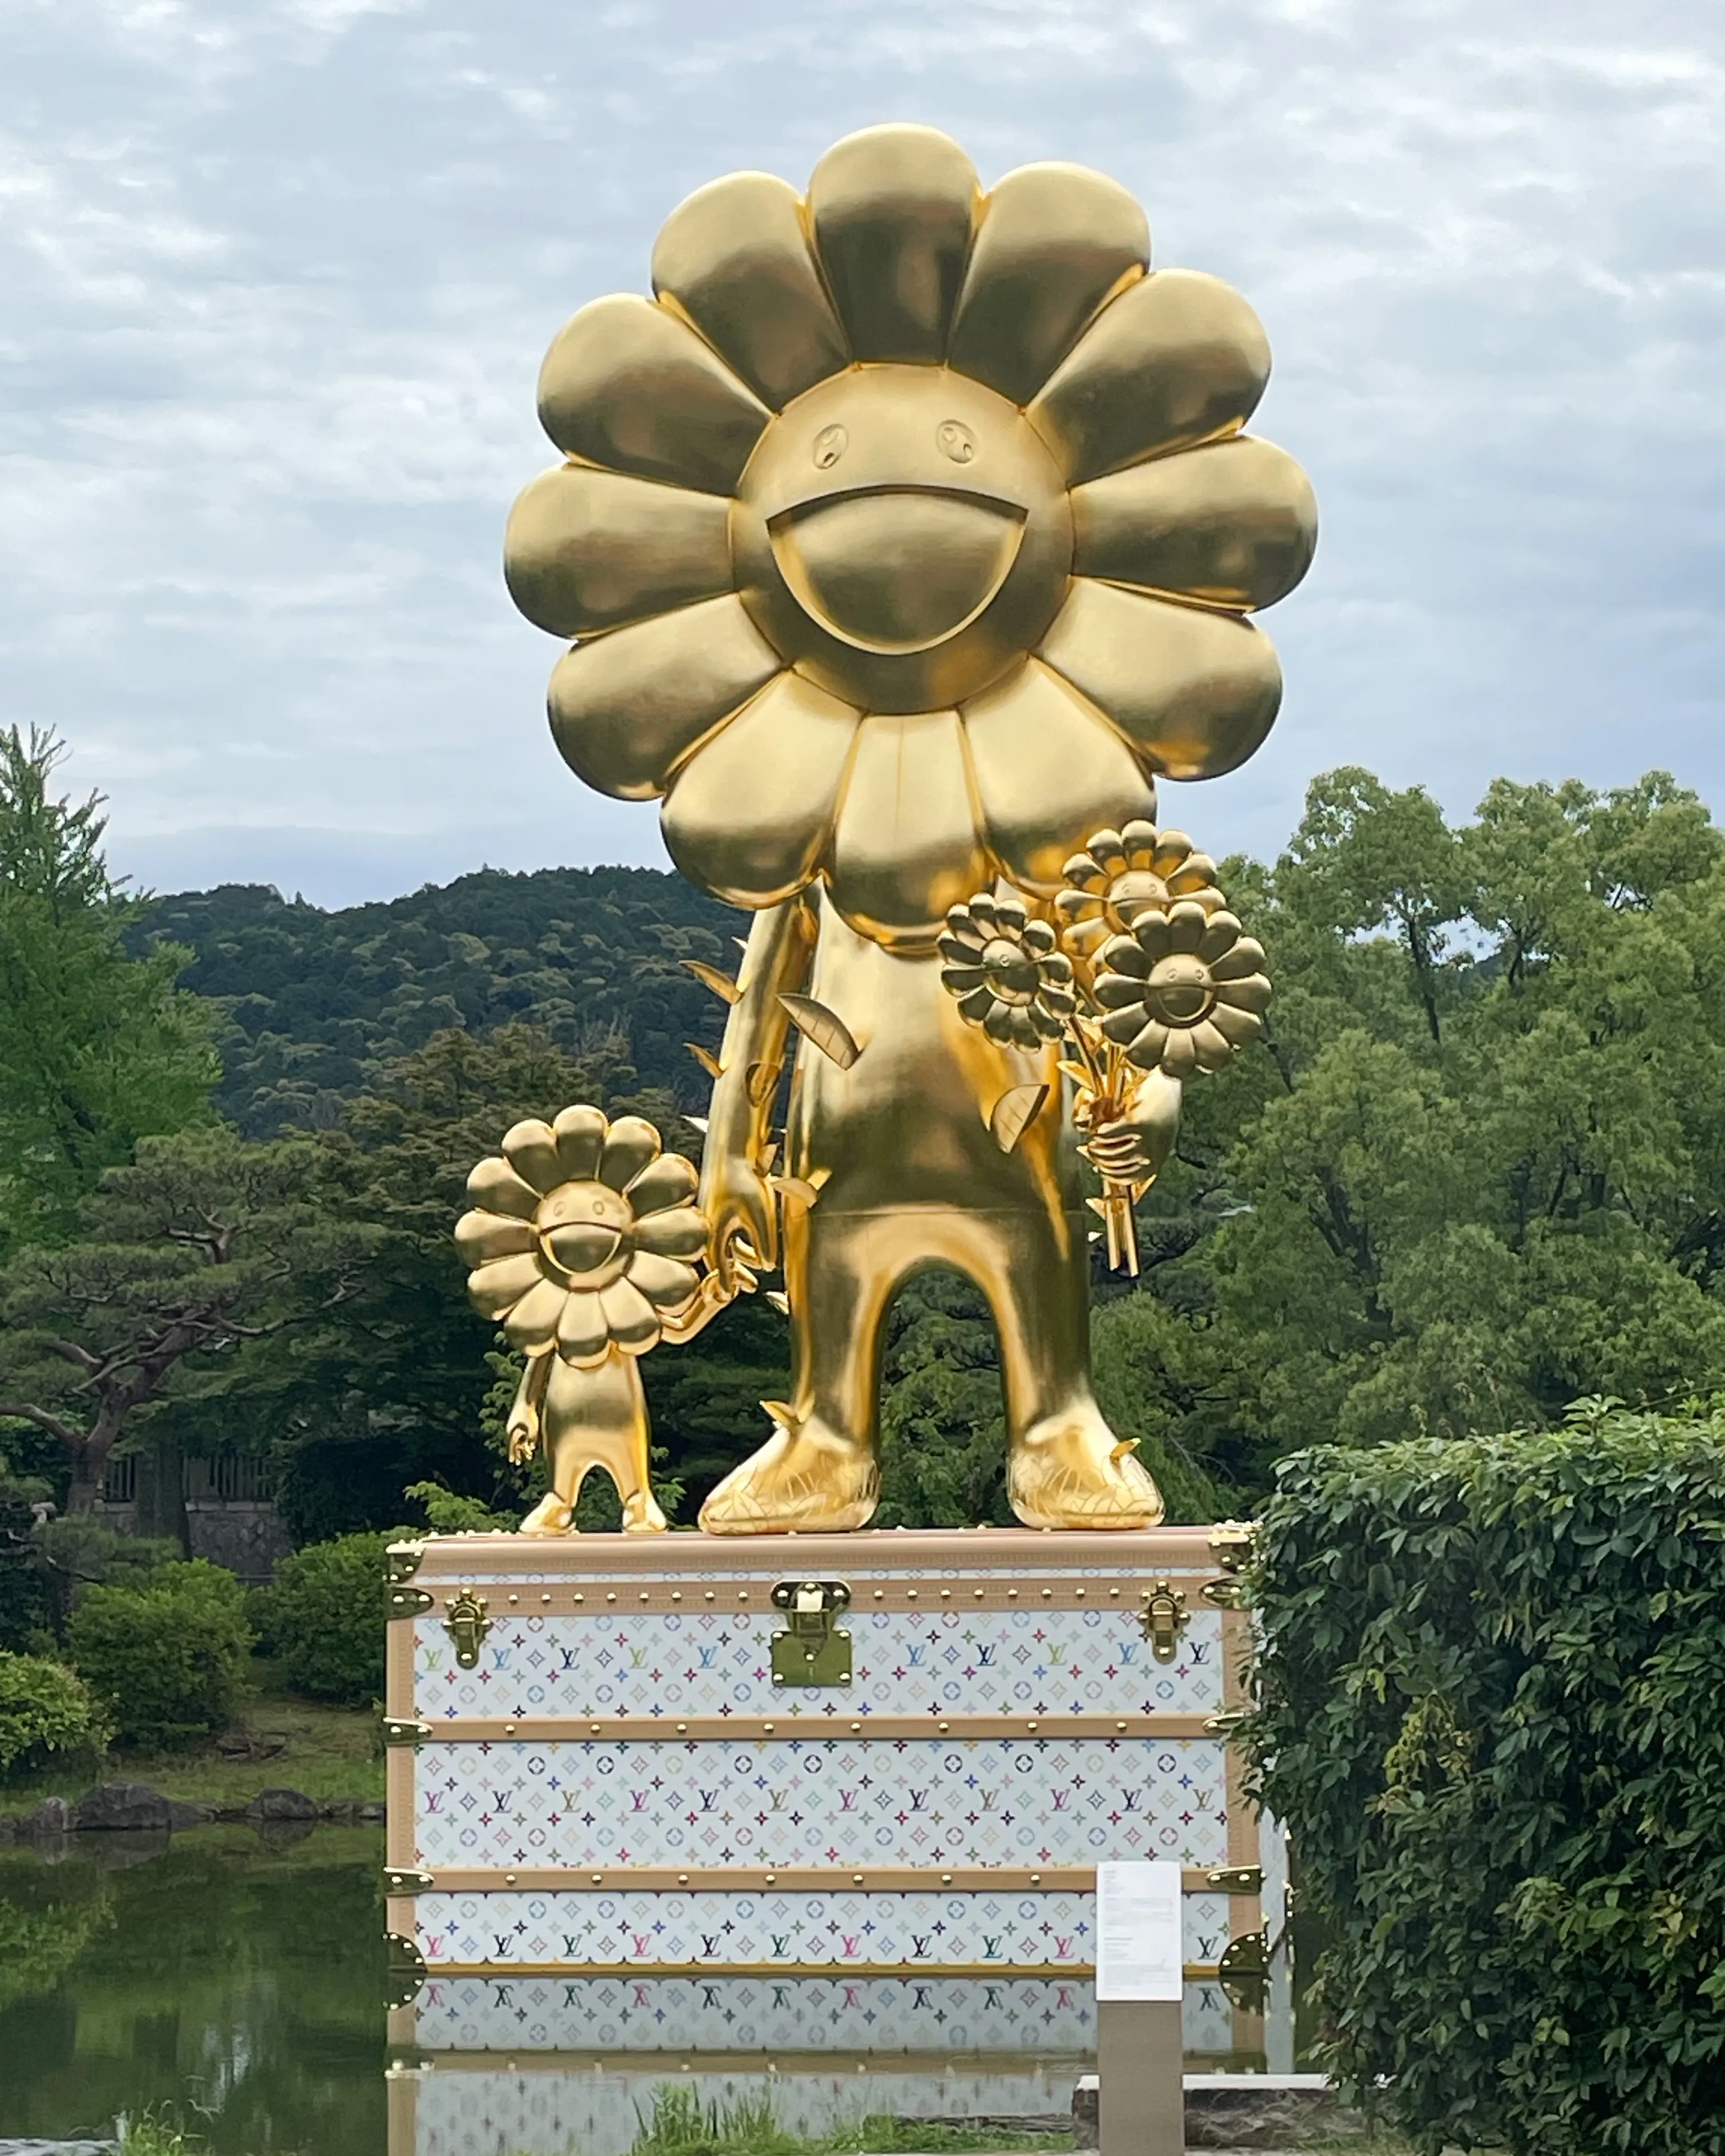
896, 569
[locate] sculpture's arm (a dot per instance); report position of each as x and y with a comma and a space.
523, 1427
735, 1195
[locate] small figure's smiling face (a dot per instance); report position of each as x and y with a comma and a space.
902, 536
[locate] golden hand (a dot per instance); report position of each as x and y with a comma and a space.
1132, 1149
742, 1220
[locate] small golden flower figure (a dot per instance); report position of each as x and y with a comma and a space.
1122, 874
583, 1244
1184, 990
1006, 972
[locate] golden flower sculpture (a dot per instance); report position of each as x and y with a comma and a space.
1006, 971
1122, 874
1184, 990
584, 1245
908, 530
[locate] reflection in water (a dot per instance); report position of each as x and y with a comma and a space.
240, 1984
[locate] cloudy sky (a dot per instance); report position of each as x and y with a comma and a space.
276, 277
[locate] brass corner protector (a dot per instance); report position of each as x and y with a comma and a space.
397, 1732
1224, 1593
1232, 1542
409, 1602
1237, 1879
401, 1561
1243, 1971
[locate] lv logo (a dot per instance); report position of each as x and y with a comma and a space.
919, 1800
849, 1941
708, 1946
640, 1940
915, 1659
847, 1800
990, 1798
781, 1945
991, 1947
638, 1800
638, 1658
706, 1655
643, 1996
1063, 1948
919, 1946
1062, 1798
775, 1800
985, 1658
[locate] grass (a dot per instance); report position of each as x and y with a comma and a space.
329, 1752
681, 2125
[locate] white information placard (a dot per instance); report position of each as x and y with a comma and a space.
1140, 1945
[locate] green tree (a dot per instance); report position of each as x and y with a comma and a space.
98, 1047
203, 1252
1479, 1171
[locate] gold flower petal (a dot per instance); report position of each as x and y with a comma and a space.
1153, 935
631, 1320
1109, 850
532, 1324
531, 1148
961, 926
1056, 242
1084, 874
906, 847
587, 550
628, 385
976, 1004
1127, 955
1234, 524
495, 1290
1120, 992
630, 1144
1187, 923
1048, 767
1038, 937
495, 1185
1250, 994
733, 257
1194, 691
626, 708
748, 817
1177, 1054
479, 1237
1223, 936
1124, 1023
670, 1180
1246, 958
1139, 840
681, 1233
581, 1139
961, 980
1237, 1026
891, 209
1177, 358
1210, 1047
582, 1335
666, 1285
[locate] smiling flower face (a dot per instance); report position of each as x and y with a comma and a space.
582, 1236
908, 532
1184, 991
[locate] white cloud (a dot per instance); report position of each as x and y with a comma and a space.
276, 279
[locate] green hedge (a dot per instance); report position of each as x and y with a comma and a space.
323, 1615
1492, 1711
169, 1657
45, 1709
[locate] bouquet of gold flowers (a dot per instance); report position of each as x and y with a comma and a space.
1146, 978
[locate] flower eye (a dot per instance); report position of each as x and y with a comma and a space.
955, 441
830, 445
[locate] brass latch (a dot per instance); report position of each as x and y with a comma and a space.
467, 1626
398, 1733
812, 1649
1163, 1617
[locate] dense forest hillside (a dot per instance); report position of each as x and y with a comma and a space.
315, 1003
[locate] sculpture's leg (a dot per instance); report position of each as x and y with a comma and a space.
1066, 1467
818, 1469
596, 1418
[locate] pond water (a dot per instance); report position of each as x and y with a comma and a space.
238, 1986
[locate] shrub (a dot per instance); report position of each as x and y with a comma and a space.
1491, 1681
45, 1708
170, 1655
323, 1618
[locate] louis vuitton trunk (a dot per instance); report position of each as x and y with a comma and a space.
869, 1757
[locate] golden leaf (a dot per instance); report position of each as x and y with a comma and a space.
762, 1078
793, 1186
708, 1061
816, 1023
709, 977
781, 1302
1013, 1113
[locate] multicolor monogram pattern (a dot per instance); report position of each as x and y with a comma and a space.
681, 1930
820, 1800
1018, 1661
